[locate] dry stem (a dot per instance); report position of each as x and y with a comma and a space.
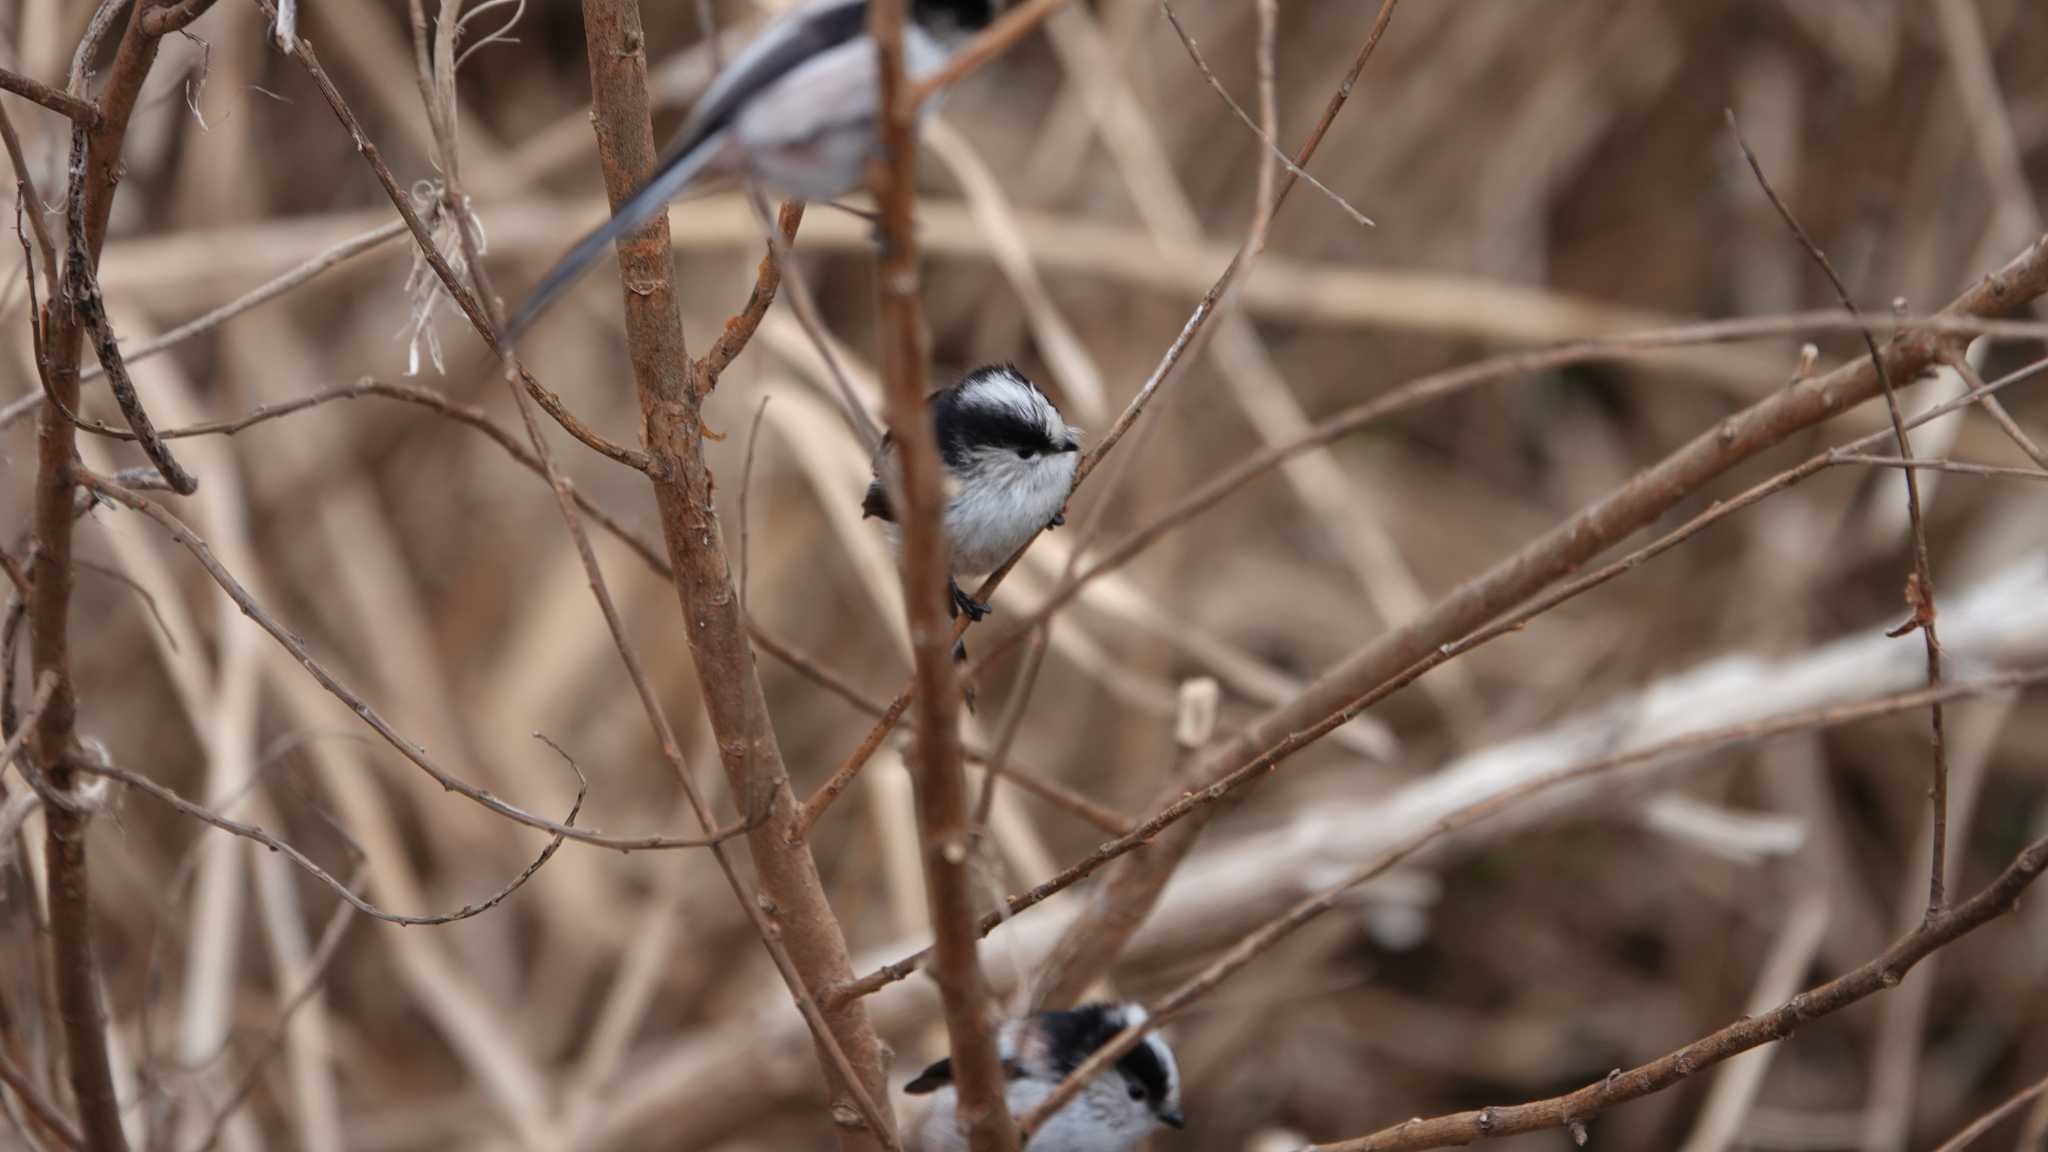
945, 833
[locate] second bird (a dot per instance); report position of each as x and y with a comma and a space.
1010, 460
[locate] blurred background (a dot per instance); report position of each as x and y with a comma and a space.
1539, 172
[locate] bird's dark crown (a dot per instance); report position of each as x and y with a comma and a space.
974, 415
966, 15
1078, 1033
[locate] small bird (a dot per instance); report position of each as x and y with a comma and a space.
795, 110
1112, 1114
1010, 461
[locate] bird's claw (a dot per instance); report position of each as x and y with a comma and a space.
1059, 520
974, 609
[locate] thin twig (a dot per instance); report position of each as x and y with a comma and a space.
346, 891
1262, 134
39, 1105
256, 297
739, 330
192, 543
464, 299
56, 100
1994, 1118
1961, 365
1575, 1108
30, 203
316, 974
1920, 588
92, 313
1955, 467
808, 317
746, 492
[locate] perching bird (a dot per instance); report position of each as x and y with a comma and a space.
1010, 461
1114, 1112
795, 110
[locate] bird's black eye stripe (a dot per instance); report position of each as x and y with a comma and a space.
962, 428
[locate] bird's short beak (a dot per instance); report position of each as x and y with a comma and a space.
1172, 1118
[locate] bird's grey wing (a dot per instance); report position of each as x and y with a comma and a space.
781, 48
784, 46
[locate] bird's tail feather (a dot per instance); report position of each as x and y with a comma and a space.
638, 210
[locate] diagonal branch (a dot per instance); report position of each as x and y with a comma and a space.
1883, 972
190, 541
457, 291
1573, 1109
55, 99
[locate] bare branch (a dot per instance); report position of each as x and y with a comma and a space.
1881, 973
56, 100
1576, 1108
803, 935
464, 299
346, 891
1993, 1118
1920, 588
191, 542
945, 833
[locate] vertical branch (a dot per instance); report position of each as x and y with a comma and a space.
53, 739
941, 779
671, 395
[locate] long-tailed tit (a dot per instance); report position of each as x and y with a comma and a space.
1112, 1114
795, 110
1010, 462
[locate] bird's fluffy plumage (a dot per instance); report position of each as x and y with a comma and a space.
1112, 1114
1010, 460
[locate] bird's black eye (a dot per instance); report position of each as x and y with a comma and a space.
1026, 453
1137, 1093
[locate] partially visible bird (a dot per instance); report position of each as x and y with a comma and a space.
795, 110
1010, 459
1111, 1114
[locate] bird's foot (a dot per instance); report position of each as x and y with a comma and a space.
1059, 520
976, 610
